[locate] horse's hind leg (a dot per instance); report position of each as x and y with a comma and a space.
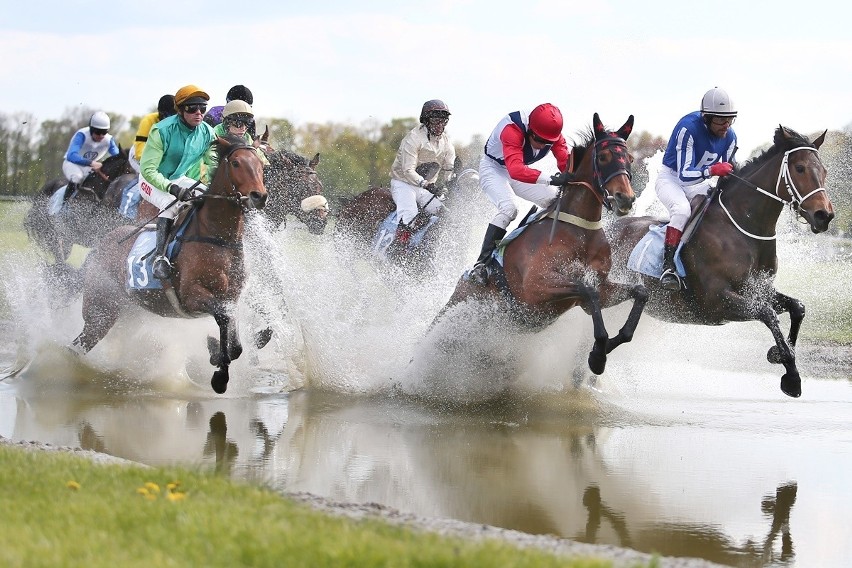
625, 334
99, 315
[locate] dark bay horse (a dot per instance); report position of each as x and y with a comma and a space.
562, 260
209, 272
291, 179
730, 259
85, 217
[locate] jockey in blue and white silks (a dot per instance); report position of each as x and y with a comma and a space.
702, 146
87, 148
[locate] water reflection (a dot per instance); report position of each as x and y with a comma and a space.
568, 469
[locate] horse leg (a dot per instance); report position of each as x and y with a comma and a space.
592, 305
99, 315
791, 383
782, 303
229, 347
625, 334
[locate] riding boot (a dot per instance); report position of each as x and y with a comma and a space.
69, 190
162, 268
400, 240
669, 279
479, 273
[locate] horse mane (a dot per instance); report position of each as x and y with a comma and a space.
784, 139
587, 138
295, 158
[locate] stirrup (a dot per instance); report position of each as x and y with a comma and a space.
478, 274
161, 268
670, 280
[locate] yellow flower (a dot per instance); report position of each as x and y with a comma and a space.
175, 496
173, 485
72, 485
153, 487
142, 490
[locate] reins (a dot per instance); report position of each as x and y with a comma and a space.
796, 198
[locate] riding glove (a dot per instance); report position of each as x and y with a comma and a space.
721, 169
562, 178
182, 193
434, 189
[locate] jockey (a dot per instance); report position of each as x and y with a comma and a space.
236, 118
423, 154
88, 146
176, 148
519, 139
165, 108
235, 93
702, 145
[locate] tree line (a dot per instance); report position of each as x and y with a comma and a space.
353, 157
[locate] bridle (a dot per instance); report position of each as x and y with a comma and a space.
795, 196
233, 195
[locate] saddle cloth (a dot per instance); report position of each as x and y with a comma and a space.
56, 202
647, 256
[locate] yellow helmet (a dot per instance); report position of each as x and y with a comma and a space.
190, 94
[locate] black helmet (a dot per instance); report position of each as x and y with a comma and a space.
435, 108
166, 106
239, 93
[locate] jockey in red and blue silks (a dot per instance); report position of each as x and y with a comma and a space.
517, 141
702, 146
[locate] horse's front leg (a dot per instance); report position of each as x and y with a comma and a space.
782, 303
592, 305
229, 346
614, 294
791, 382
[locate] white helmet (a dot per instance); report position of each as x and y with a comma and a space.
717, 102
99, 120
237, 107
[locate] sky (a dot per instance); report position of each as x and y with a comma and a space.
348, 62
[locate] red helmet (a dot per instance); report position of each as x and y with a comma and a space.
546, 122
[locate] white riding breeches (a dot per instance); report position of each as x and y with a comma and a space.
163, 201
75, 172
407, 197
676, 197
500, 188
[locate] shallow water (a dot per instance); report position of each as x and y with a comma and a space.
685, 446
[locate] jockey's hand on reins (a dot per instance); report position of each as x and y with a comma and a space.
562, 178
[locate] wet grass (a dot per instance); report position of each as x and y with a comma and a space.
61, 510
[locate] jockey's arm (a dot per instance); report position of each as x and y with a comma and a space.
113, 147
73, 153
513, 155
408, 151
152, 155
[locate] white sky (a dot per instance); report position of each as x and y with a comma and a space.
782, 61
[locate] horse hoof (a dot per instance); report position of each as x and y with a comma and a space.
597, 363
791, 385
219, 382
262, 338
774, 355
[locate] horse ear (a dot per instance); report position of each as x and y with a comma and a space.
264, 138
626, 128
597, 125
314, 161
820, 139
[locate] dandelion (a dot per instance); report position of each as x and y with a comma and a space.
71, 484
152, 487
176, 496
142, 490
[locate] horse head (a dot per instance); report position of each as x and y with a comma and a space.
804, 174
297, 190
111, 169
605, 165
244, 170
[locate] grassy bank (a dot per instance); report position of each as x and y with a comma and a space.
61, 510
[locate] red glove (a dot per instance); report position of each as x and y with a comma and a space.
721, 169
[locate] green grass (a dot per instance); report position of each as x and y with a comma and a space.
61, 510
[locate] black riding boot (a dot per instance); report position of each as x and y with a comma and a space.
69, 190
669, 279
162, 268
479, 273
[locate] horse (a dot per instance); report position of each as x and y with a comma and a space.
87, 214
291, 180
366, 219
561, 257
730, 257
209, 272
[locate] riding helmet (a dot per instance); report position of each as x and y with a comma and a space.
99, 120
434, 107
239, 93
717, 102
190, 94
166, 106
546, 122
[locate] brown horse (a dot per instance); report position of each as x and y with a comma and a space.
562, 260
85, 217
291, 179
730, 258
209, 271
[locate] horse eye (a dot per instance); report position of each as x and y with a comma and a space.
235, 164
800, 169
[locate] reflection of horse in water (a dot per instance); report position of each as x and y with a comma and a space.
291, 179
209, 271
561, 259
368, 219
88, 214
730, 259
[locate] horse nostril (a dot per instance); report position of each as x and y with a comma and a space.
258, 199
